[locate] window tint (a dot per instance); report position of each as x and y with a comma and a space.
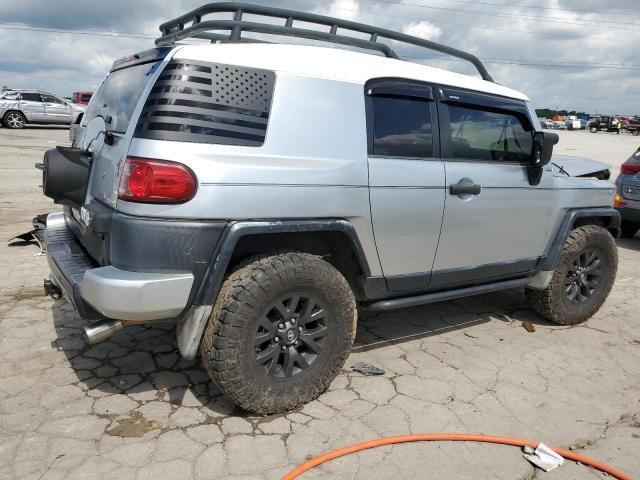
402, 127
118, 95
482, 135
50, 99
30, 97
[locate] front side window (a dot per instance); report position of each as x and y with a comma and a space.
479, 134
30, 97
402, 127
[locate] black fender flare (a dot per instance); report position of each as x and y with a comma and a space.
217, 268
554, 249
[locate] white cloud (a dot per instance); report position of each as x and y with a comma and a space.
424, 29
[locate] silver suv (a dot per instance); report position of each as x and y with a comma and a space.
259, 195
21, 107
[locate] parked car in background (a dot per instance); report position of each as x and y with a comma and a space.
628, 195
21, 107
81, 98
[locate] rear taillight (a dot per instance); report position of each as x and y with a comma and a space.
617, 201
629, 168
156, 181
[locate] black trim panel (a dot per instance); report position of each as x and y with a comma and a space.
408, 282
214, 275
485, 273
554, 249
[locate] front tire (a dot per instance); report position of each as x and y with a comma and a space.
593, 130
582, 280
280, 331
14, 120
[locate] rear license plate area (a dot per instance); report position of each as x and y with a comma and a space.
632, 192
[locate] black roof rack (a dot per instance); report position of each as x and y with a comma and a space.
192, 25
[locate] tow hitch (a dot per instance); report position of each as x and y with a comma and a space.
52, 290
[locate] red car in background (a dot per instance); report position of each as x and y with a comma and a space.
81, 98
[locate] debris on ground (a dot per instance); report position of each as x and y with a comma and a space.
367, 369
543, 457
35, 235
469, 335
528, 326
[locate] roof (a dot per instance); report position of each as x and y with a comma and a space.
333, 64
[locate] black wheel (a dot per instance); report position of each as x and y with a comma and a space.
582, 280
14, 120
593, 130
280, 331
635, 132
629, 229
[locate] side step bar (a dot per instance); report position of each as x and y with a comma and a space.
415, 300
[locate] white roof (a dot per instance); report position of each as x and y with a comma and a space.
333, 64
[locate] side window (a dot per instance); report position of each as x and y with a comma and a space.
51, 99
480, 134
402, 127
30, 97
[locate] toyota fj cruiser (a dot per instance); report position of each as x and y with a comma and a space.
259, 195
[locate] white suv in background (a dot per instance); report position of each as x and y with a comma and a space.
21, 107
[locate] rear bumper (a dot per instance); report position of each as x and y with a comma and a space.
107, 291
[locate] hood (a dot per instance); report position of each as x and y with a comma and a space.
579, 166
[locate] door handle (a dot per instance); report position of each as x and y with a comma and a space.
465, 189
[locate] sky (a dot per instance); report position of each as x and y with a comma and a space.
564, 54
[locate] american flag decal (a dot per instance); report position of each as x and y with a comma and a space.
208, 103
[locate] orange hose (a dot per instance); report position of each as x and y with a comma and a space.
450, 437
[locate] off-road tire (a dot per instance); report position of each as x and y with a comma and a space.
6, 120
629, 229
553, 302
227, 348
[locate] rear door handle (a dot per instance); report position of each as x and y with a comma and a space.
465, 189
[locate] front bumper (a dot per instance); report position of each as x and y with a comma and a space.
630, 214
107, 291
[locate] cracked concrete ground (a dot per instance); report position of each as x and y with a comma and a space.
130, 408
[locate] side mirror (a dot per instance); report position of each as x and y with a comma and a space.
541, 152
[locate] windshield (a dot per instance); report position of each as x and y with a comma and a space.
118, 95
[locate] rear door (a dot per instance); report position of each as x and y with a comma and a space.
406, 179
56, 110
495, 223
32, 107
111, 110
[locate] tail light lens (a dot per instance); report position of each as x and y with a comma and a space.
617, 202
156, 181
629, 168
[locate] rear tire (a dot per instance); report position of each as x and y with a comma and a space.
629, 229
582, 279
635, 132
295, 297
14, 120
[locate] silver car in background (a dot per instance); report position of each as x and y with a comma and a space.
21, 107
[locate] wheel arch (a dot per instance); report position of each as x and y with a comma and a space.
14, 110
336, 240
608, 218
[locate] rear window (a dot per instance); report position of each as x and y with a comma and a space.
118, 95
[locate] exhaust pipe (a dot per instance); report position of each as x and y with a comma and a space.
100, 331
